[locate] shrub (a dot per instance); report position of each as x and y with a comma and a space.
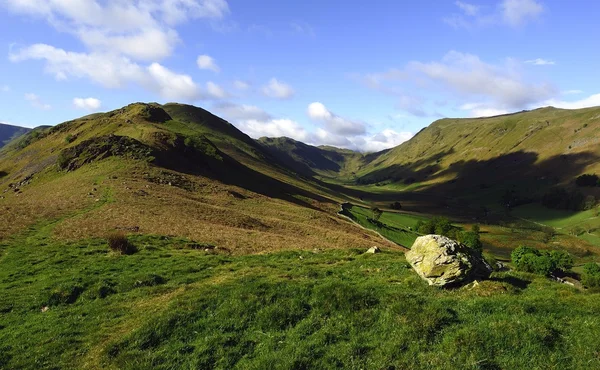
119, 243
396, 206
541, 262
591, 275
471, 240
376, 213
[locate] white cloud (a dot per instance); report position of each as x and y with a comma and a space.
235, 112
105, 69
215, 91
516, 12
241, 85
590, 101
141, 30
36, 102
540, 62
113, 71
468, 9
207, 62
278, 90
468, 75
513, 13
91, 104
386, 139
5, 88
171, 85
273, 128
334, 123
482, 110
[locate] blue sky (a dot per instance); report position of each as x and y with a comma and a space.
363, 75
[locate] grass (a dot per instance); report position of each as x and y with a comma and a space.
397, 227
171, 306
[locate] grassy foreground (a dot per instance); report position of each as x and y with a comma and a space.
175, 305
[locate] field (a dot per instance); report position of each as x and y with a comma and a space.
176, 304
397, 227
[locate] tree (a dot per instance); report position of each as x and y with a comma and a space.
541, 262
376, 213
591, 275
475, 228
471, 240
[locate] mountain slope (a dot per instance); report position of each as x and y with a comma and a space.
165, 170
538, 148
310, 160
10, 132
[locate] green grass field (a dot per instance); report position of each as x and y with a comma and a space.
397, 227
169, 306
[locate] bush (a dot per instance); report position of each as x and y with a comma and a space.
396, 206
119, 243
541, 262
591, 275
471, 240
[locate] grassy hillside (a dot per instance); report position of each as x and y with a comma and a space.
10, 132
540, 147
178, 304
165, 170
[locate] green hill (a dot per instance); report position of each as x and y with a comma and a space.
10, 132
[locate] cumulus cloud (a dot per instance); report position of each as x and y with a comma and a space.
590, 101
215, 91
113, 71
278, 90
171, 85
273, 128
334, 123
482, 110
207, 62
140, 30
91, 104
386, 139
36, 102
540, 62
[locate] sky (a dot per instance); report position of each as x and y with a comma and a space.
365, 75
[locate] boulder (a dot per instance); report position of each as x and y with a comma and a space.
442, 261
374, 250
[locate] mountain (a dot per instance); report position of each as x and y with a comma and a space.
308, 160
165, 170
10, 132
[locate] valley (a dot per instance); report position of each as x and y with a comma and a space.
240, 259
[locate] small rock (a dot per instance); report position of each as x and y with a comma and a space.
374, 250
45, 308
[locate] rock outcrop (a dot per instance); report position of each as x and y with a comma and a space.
443, 262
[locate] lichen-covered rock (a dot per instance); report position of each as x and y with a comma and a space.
442, 261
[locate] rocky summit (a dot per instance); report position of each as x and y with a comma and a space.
442, 261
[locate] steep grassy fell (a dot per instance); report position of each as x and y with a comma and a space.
10, 132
